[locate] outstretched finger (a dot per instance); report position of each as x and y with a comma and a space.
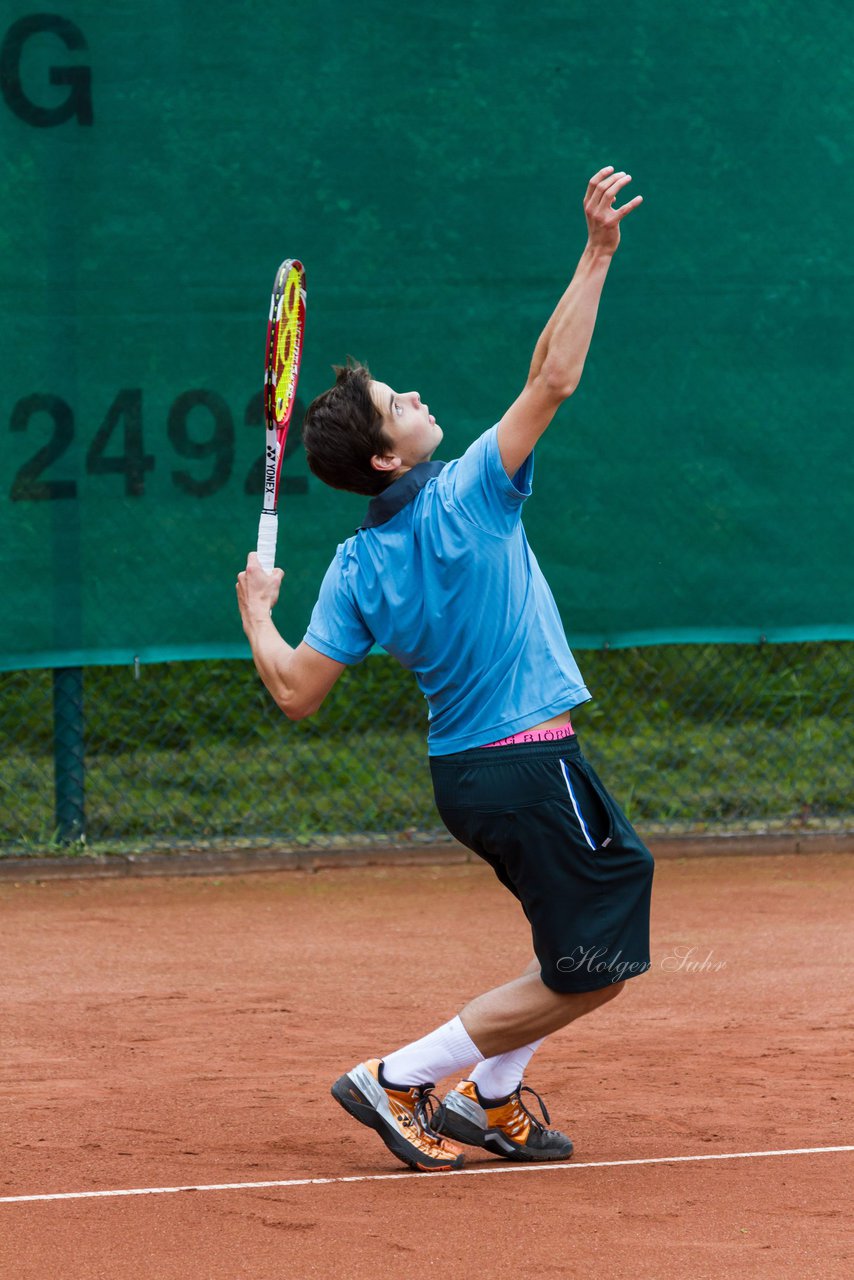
627, 208
600, 198
597, 178
616, 184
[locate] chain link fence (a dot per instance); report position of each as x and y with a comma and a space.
691, 738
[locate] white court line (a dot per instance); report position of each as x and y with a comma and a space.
396, 1177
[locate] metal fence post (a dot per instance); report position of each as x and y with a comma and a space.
69, 769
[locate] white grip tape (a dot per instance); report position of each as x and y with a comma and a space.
268, 528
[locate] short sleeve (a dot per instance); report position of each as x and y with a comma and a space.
478, 486
337, 628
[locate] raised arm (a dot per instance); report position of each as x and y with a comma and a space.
561, 350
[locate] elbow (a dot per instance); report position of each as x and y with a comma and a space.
293, 710
291, 713
286, 700
558, 383
296, 708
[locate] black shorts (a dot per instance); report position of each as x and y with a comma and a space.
538, 814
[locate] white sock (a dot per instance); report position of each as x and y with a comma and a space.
447, 1049
497, 1077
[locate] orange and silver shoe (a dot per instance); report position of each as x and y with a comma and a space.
504, 1126
402, 1117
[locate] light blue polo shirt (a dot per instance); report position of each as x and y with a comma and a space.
441, 576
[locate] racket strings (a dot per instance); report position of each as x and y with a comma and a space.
286, 343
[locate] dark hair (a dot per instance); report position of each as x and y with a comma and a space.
343, 430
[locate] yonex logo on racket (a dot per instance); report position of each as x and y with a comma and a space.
270, 470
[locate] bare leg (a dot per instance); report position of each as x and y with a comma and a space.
525, 1010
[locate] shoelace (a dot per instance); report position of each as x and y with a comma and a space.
424, 1110
524, 1088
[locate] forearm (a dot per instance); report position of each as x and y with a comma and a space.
563, 345
546, 336
272, 656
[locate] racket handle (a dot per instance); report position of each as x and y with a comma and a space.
268, 528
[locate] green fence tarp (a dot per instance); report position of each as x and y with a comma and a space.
427, 165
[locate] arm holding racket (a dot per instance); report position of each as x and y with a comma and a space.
298, 679
561, 350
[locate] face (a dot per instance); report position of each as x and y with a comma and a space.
408, 424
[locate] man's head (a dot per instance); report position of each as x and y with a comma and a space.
360, 434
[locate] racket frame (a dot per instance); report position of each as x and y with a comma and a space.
286, 316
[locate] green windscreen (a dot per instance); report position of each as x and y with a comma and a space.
427, 164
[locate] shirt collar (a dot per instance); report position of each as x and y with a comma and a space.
399, 493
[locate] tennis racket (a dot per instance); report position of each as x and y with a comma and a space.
285, 330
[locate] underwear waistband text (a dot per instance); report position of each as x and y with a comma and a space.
535, 735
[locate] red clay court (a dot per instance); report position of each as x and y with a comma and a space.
167, 1033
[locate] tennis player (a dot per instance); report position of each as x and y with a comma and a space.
441, 576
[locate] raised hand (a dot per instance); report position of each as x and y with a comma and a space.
603, 220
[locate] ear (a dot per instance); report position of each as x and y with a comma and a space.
386, 462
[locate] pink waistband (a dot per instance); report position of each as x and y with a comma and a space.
535, 735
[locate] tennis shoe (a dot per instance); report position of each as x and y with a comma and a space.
503, 1126
401, 1117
